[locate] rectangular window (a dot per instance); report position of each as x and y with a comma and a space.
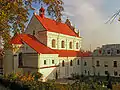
78, 62
108, 52
115, 64
20, 59
45, 62
97, 63
105, 64
118, 51
53, 62
106, 72
115, 73
63, 63
85, 63
71, 63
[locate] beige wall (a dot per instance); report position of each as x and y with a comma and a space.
27, 49
8, 62
61, 37
30, 62
48, 73
67, 70
34, 25
42, 37
87, 69
30, 59
110, 61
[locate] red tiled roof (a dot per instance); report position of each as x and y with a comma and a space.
72, 53
16, 39
33, 43
53, 26
41, 48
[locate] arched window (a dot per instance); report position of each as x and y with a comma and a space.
62, 44
76, 45
53, 43
70, 45
71, 63
63, 63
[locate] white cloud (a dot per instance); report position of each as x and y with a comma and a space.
89, 18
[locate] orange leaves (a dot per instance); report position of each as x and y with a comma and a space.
26, 78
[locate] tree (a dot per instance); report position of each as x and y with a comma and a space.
14, 15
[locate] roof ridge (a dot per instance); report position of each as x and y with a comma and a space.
50, 25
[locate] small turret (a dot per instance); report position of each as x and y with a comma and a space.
42, 12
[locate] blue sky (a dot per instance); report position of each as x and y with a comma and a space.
90, 16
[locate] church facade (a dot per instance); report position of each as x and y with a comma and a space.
49, 47
54, 49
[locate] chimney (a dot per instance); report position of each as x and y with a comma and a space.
42, 12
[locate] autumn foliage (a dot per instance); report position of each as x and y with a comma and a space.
14, 14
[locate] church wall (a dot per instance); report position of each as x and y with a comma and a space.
8, 62
30, 59
16, 50
61, 37
34, 24
48, 64
67, 69
27, 49
75, 68
30, 62
77, 40
107, 60
86, 66
64, 70
50, 37
40, 31
90, 68
42, 36
16, 63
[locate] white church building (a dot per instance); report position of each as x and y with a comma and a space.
51, 47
